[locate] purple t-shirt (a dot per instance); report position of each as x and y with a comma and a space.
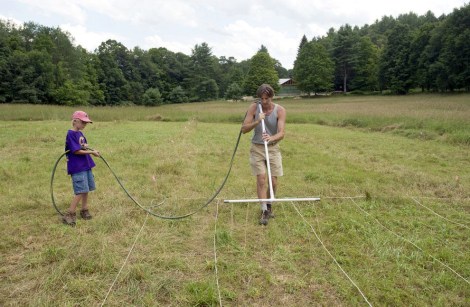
77, 163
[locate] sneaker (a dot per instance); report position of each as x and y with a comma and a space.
264, 218
270, 211
69, 219
85, 214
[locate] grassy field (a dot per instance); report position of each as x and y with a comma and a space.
391, 228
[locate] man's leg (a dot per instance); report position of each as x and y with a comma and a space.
261, 190
269, 205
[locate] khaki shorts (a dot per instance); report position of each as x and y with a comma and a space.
258, 160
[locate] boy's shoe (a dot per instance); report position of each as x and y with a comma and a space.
69, 219
270, 211
85, 214
264, 217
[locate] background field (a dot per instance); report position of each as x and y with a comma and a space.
402, 241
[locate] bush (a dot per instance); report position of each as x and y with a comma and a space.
234, 92
152, 97
178, 95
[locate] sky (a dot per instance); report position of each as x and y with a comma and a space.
234, 28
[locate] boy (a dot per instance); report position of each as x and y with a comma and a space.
79, 165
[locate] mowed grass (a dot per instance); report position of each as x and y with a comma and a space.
402, 241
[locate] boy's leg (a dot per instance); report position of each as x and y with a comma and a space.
73, 205
85, 213
70, 217
85, 201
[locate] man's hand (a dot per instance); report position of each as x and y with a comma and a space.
266, 137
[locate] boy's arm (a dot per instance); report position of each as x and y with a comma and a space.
87, 152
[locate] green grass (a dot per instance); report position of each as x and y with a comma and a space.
427, 116
182, 161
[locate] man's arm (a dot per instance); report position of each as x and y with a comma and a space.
250, 123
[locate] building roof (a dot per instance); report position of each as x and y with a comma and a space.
282, 81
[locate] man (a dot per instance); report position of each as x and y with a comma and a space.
274, 117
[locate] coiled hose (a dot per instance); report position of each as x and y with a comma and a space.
167, 217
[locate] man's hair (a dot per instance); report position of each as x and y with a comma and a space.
265, 89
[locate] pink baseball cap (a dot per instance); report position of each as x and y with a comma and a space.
81, 116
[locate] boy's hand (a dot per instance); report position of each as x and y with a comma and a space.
95, 153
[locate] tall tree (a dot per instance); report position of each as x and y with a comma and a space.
303, 42
204, 68
395, 67
420, 58
231, 73
112, 71
174, 69
314, 69
344, 55
261, 71
455, 50
365, 65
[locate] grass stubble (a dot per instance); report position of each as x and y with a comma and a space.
182, 163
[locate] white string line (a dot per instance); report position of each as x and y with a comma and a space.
246, 227
405, 239
215, 252
231, 218
342, 197
332, 257
443, 217
316, 218
449, 198
125, 261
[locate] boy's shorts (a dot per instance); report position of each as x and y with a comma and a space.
83, 182
258, 160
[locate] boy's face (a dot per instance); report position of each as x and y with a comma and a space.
80, 125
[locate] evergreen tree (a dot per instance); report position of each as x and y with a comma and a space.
204, 73
314, 69
177, 95
420, 58
303, 41
365, 66
395, 61
344, 55
261, 71
455, 51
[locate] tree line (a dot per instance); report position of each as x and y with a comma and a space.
40, 64
395, 55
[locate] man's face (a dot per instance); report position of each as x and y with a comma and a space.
265, 99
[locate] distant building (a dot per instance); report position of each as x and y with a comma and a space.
288, 88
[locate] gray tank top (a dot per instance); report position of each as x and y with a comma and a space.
270, 123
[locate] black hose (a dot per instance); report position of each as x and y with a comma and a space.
136, 202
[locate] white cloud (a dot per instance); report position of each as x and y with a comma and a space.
144, 12
156, 41
230, 28
88, 39
68, 9
245, 40
13, 20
